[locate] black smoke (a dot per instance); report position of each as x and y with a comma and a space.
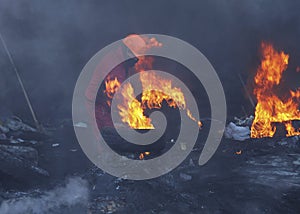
51, 41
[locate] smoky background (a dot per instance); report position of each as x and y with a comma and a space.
51, 41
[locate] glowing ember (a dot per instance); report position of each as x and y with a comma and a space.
143, 155
238, 152
270, 108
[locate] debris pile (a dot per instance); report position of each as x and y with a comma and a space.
240, 129
18, 157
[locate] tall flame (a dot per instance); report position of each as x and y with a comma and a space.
270, 108
131, 110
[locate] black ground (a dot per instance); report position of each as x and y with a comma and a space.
254, 176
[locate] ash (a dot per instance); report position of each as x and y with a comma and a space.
251, 176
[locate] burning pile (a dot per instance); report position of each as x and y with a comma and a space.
132, 110
271, 108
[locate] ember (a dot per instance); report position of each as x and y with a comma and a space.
238, 152
270, 107
143, 155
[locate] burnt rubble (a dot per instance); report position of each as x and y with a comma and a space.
18, 154
255, 172
240, 129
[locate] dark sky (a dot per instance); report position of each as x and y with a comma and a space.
51, 41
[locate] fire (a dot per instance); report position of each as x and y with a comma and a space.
189, 114
153, 99
172, 95
132, 110
238, 152
143, 155
111, 86
270, 108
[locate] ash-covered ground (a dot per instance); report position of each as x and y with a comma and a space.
253, 176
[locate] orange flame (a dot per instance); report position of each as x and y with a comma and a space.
238, 152
131, 110
111, 86
172, 95
270, 108
143, 155
189, 114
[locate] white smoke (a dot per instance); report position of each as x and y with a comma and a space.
75, 192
